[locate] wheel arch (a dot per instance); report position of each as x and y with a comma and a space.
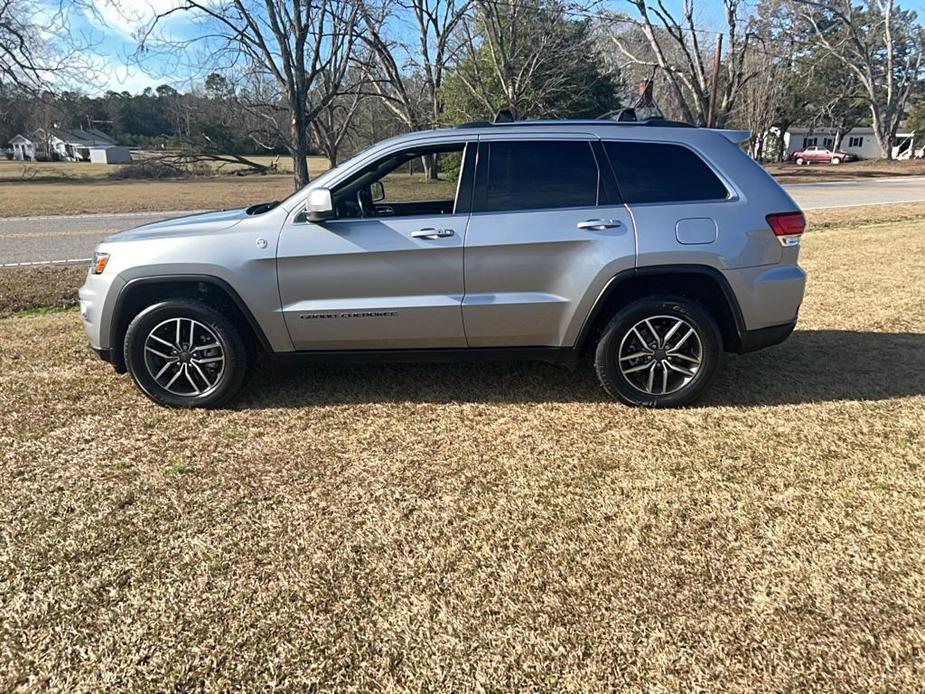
700, 283
139, 293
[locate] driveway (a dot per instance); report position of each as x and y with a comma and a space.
41, 240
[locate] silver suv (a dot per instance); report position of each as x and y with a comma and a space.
653, 246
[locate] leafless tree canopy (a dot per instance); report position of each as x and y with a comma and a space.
674, 44
38, 49
880, 44
407, 70
287, 48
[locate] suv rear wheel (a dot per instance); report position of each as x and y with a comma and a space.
184, 353
661, 351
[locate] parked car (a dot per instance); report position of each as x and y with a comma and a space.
653, 246
817, 155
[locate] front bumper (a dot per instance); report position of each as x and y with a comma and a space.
97, 301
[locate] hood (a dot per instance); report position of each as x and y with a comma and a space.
194, 224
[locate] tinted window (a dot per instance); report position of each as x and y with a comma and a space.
650, 172
536, 175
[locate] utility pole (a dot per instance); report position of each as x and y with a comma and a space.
715, 81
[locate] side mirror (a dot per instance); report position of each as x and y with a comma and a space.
377, 191
319, 206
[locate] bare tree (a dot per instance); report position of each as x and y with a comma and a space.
38, 45
334, 121
289, 44
881, 45
533, 58
408, 75
684, 54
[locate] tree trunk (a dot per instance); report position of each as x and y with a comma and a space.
299, 146
781, 144
882, 133
430, 167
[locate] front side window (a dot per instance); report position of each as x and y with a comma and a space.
421, 181
650, 172
535, 175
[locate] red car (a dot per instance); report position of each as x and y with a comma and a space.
817, 155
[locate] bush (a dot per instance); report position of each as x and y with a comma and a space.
147, 169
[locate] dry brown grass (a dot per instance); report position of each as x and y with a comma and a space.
81, 197
500, 527
850, 217
39, 286
91, 195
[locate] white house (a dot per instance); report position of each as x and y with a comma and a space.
67, 145
858, 141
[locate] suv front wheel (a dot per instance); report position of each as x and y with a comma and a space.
661, 351
184, 353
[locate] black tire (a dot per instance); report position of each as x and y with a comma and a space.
800, 161
663, 312
228, 374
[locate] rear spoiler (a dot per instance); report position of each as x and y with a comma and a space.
736, 137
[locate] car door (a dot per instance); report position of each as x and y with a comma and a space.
385, 277
546, 234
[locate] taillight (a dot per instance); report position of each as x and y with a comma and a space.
787, 227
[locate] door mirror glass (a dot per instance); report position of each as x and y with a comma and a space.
319, 206
377, 191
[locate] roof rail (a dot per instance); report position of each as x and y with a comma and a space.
648, 122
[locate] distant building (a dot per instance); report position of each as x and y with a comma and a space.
860, 141
55, 144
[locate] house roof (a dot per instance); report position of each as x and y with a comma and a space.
19, 139
79, 137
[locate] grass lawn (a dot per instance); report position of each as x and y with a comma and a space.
789, 172
501, 527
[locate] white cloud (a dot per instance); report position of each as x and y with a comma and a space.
129, 16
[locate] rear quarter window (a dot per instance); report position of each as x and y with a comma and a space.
650, 172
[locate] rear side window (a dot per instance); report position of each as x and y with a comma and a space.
652, 172
536, 175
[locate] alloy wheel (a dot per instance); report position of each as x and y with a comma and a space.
184, 357
660, 355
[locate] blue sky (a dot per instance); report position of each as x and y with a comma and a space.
113, 28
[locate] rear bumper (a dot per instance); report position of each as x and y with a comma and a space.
753, 340
769, 297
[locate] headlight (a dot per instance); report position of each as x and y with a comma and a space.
99, 262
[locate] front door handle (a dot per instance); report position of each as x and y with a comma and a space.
599, 224
431, 233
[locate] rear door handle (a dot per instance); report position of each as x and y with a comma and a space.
599, 224
431, 233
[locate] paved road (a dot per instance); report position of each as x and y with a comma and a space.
873, 191
30, 240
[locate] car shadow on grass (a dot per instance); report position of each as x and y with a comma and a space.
812, 366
